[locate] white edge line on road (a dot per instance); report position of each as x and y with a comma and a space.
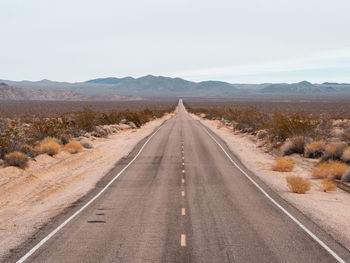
43, 241
330, 251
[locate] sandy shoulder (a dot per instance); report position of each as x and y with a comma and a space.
29, 198
329, 210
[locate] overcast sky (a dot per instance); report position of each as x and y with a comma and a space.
239, 41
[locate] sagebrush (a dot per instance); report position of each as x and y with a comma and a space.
297, 184
16, 159
327, 185
73, 147
283, 164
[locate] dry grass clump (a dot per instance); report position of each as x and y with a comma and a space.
334, 169
321, 171
314, 149
283, 164
297, 184
50, 146
16, 159
73, 147
333, 151
327, 185
346, 155
294, 145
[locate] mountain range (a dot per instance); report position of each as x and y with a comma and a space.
13, 93
161, 87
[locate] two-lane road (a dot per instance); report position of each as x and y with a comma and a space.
183, 200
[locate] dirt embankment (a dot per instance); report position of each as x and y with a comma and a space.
330, 210
30, 197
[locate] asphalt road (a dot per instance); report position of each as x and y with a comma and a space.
182, 200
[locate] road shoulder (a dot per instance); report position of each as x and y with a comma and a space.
328, 210
35, 198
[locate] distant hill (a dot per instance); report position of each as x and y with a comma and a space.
12, 93
335, 83
108, 80
147, 86
297, 88
159, 86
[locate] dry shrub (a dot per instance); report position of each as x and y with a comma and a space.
86, 120
346, 155
338, 169
57, 127
297, 184
283, 164
294, 145
282, 126
16, 159
37, 148
321, 171
50, 146
333, 151
314, 149
334, 169
28, 150
327, 185
73, 147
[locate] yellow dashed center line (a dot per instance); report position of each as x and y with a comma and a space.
183, 240
183, 210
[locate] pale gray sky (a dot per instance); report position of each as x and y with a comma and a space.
235, 40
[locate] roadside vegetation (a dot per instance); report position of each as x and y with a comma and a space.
298, 185
38, 129
313, 129
283, 164
73, 147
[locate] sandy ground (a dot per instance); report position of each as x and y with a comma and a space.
30, 197
329, 210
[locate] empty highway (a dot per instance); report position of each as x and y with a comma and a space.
179, 197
